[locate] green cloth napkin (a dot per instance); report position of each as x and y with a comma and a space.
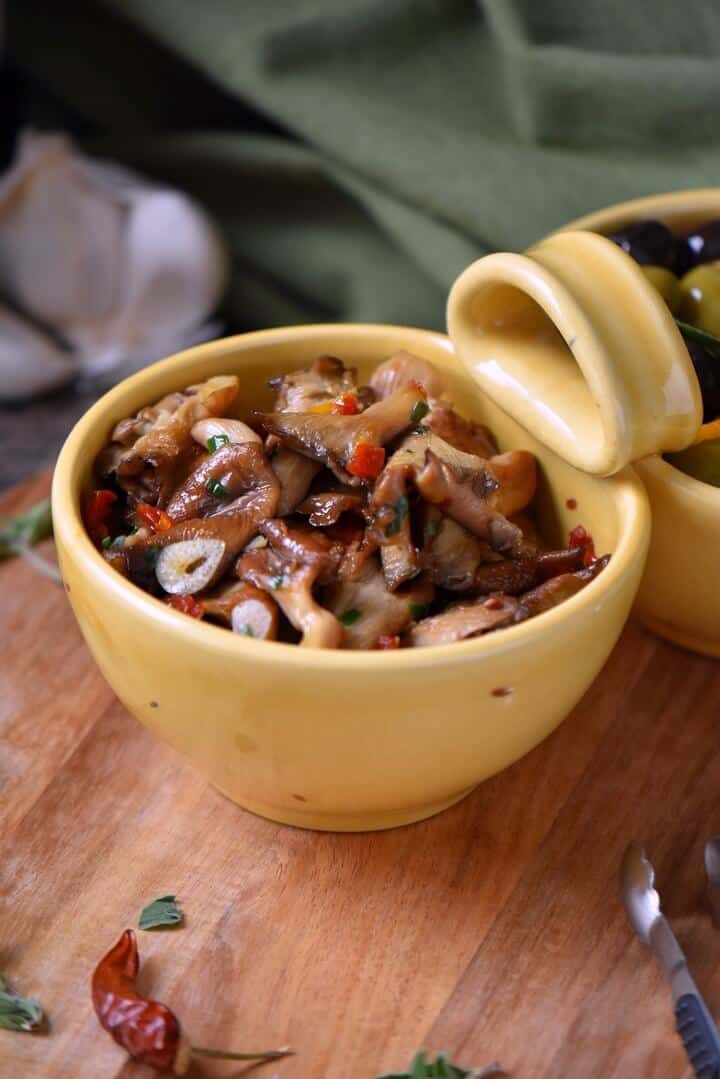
398, 140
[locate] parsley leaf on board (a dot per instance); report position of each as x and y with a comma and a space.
160, 913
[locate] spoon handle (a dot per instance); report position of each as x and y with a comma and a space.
699, 1035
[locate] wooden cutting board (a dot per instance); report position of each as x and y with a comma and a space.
493, 931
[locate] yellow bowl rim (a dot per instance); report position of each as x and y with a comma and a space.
630, 496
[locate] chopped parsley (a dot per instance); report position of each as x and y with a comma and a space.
350, 617
215, 442
216, 488
107, 542
277, 581
400, 509
245, 630
419, 410
152, 554
417, 610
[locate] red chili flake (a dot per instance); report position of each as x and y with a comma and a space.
186, 604
501, 691
367, 461
97, 513
347, 405
571, 503
580, 537
157, 520
386, 642
493, 604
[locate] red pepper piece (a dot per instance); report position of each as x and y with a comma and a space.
148, 1031
347, 405
157, 520
367, 461
186, 604
387, 642
98, 509
580, 537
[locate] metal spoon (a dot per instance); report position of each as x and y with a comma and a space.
692, 1018
712, 868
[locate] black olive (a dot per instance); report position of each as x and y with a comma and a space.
703, 244
649, 242
707, 369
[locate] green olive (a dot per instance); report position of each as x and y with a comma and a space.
701, 297
702, 461
666, 283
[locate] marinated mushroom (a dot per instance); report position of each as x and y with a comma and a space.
368, 610
291, 585
147, 466
349, 517
351, 446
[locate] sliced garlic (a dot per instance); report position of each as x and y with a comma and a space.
189, 565
253, 618
234, 430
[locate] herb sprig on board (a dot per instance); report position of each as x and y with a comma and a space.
442, 1068
17, 1012
160, 914
19, 534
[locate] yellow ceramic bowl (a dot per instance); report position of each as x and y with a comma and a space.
333, 739
679, 596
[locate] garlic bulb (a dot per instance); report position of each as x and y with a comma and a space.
124, 270
30, 363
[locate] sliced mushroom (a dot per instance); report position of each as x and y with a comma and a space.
223, 428
466, 435
369, 610
451, 554
232, 523
332, 439
392, 528
246, 610
220, 477
463, 495
290, 585
300, 544
557, 589
553, 563
404, 369
147, 468
462, 621
326, 507
326, 378
295, 474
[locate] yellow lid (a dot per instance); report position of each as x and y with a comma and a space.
574, 343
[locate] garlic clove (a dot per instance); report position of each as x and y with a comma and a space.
188, 566
234, 430
253, 618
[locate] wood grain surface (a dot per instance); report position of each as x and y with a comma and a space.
493, 931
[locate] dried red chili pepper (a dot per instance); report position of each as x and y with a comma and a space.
147, 1030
